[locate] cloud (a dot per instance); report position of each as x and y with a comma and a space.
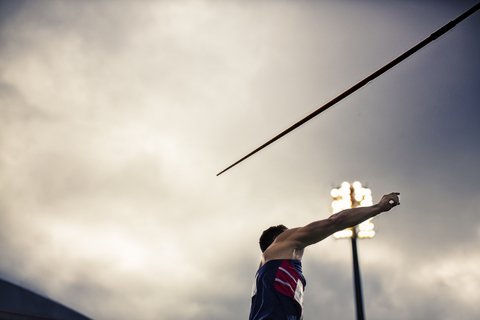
117, 116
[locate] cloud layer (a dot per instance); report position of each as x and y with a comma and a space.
116, 116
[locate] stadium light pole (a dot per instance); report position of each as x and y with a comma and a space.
353, 196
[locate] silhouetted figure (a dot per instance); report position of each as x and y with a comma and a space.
279, 283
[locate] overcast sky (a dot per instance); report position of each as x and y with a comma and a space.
116, 117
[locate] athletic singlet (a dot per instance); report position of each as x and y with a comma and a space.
278, 291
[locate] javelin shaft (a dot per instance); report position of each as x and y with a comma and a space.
365, 81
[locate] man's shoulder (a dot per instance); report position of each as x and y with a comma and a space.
284, 247
285, 235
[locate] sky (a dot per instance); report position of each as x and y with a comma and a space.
116, 116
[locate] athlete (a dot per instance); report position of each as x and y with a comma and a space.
279, 283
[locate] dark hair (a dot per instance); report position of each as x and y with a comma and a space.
267, 236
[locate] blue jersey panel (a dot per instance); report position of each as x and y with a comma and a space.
278, 291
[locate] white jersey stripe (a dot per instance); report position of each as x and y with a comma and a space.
285, 283
280, 268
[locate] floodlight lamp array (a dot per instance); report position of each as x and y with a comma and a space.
352, 196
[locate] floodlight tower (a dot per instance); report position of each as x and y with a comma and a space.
353, 196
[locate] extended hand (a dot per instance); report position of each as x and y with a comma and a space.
389, 201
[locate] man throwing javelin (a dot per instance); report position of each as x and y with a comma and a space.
279, 283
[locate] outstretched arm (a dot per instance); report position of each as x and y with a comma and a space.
319, 230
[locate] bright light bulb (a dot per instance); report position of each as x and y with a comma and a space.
336, 206
344, 192
366, 225
347, 233
334, 193
346, 203
360, 191
366, 234
356, 185
345, 185
366, 203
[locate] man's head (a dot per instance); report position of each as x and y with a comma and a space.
269, 235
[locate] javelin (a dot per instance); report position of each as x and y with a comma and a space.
374, 75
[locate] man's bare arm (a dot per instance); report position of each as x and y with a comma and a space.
319, 230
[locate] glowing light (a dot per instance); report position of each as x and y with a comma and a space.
347, 233
366, 203
356, 185
364, 234
344, 192
366, 225
334, 193
360, 192
343, 200
345, 185
337, 206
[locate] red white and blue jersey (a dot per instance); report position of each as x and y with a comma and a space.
278, 291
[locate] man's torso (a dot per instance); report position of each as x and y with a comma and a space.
278, 291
